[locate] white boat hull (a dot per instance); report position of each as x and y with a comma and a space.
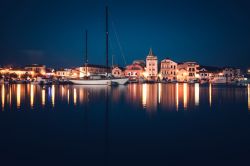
120, 81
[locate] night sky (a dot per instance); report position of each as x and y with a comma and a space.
50, 32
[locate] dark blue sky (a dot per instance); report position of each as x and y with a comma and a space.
50, 32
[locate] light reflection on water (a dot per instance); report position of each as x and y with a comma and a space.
18, 96
210, 94
3, 96
31, 95
197, 94
248, 97
151, 97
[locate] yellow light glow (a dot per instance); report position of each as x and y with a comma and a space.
3, 97
75, 96
68, 95
144, 95
185, 95
10, 96
177, 96
159, 92
62, 91
53, 95
248, 90
18, 96
196, 94
210, 94
43, 97
31, 95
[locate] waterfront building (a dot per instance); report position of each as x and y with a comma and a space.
64, 73
118, 72
190, 72
37, 68
16, 72
168, 70
207, 73
231, 74
182, 75
135, 71
151, 66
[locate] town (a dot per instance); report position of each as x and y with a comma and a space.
152, 70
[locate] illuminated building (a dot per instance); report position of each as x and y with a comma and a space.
168, 70
38, 69
192, 71
118, 72
135, 70
151, 66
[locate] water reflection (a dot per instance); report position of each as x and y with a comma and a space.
151, 97
197, 94
159, 92
68, 95
43, 97
10, 96
248, 101
75, 96
210, 94
144, 95
3, 96
177, 96
53, 95
31, 95
18, 96
185, 96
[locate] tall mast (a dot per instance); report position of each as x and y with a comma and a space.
86, 52
107, 40
86, 47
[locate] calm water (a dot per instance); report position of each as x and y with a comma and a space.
149, 124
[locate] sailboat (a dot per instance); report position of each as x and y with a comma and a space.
99, 80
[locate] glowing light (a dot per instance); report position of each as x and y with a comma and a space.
18, 96
43, 97
31, 95
248, 99
185, 95
144, 95
53, 95
10, 96
159, 92
3, 96
196, 94
75, 96
62, 92
210, 94
177, 96
68, 95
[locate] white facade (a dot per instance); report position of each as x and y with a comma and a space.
151, 66
168, 70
